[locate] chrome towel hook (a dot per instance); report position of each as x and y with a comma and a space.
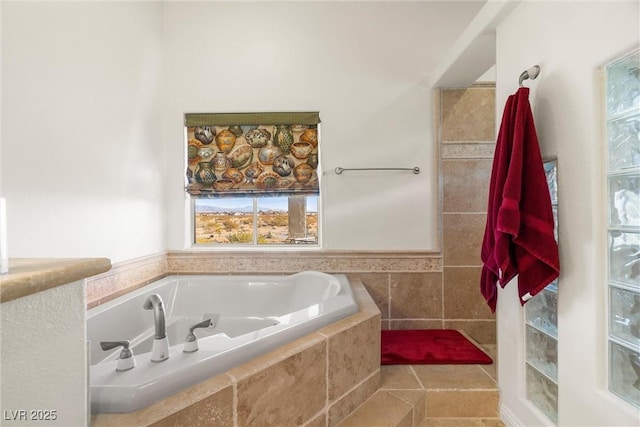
530, 73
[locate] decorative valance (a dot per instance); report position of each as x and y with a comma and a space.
252, 154
230, 119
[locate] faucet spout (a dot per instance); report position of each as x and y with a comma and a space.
154, 302
160, 346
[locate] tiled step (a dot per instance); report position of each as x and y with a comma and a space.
452, 391
431, 396
456, 391
387, 409
462, 422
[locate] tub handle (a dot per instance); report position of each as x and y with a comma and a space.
203, 324
126, 360
191, 342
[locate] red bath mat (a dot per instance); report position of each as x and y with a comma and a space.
430, 347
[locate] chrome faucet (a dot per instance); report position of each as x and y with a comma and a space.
160, 347
154, 302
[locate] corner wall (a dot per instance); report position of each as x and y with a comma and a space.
570, 41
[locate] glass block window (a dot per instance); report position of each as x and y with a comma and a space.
541, 327
622, 89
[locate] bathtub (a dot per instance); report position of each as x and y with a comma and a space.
252, 315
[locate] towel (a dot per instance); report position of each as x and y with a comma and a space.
518, 237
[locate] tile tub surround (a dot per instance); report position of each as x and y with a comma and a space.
130, 275
408, 287
315, 380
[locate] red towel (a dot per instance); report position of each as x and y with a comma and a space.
518, 237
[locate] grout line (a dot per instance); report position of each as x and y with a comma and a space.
472, 143
442, 305
464, 213
407, 401
462, 266
389, 297
487, 373
235, 404
326, 373
462, 389
315, 416
417, 378
352, 390
466, 157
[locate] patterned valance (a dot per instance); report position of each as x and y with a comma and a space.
252, 154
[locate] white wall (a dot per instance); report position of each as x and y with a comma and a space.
94, 94
570, 41
361, 65
83, 159
44, 358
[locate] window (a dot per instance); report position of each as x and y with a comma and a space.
253, 178
622, 88
541, 328
257, 221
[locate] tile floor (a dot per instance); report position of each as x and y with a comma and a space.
432, 396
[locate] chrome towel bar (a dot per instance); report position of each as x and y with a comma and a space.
339, 170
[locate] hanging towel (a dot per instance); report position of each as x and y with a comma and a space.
518, 237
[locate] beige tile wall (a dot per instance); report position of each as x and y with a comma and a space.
467, 139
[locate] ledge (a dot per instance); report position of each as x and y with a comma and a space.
28, 276
328, 261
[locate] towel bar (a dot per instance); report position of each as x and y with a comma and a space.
339, 170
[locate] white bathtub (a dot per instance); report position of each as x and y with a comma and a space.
253, 314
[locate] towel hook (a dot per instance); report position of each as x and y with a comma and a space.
530, 73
